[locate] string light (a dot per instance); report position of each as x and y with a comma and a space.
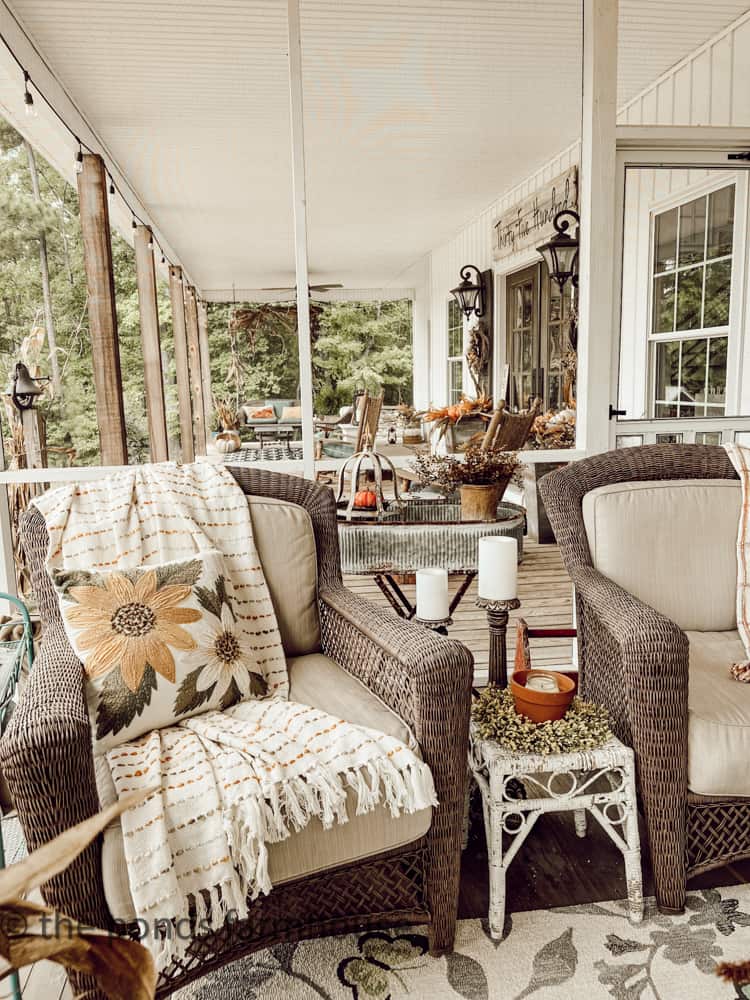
31, 109
28, 97
150, 243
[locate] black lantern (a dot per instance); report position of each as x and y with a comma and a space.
561, 252
470, 293
24, 388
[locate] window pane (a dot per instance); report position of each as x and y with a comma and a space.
689, 296
528, 304
708, 437
718, 281
525, 391
665, 241
455, 374
555, 302
692, 231
720, 221
717, 371
662, 410
693, 374
667, 372
528, 344
663, 319
518, 306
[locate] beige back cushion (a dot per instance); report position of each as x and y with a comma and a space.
672, 544
286, 545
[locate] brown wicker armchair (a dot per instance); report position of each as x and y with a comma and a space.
637, 661
423, 678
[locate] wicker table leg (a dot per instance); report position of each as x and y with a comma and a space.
633, 872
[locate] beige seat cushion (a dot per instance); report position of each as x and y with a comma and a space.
673, 544
314, 680
286, 545
719, 716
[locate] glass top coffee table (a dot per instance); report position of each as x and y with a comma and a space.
419, 535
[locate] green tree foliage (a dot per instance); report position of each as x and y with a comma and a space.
253, 347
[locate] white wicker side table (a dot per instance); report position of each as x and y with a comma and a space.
555, 783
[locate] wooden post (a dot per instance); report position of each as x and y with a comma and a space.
187, 448
208, 401
300, 236
105, 351
34, 438
153, 376
196, 380
597, 254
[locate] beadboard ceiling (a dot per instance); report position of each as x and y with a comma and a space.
417, 114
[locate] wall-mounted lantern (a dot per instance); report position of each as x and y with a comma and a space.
561, 252
24, 387
470, 293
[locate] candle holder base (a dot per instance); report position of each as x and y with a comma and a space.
441, 626
497, 622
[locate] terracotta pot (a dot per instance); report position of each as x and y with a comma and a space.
542, 706
479, 503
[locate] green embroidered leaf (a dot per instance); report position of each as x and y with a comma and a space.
65, 579
184, 574
118, 705
189, 697
209, 599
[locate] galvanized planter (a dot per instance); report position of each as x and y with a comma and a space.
424, 533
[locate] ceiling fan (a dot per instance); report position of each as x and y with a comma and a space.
293, 289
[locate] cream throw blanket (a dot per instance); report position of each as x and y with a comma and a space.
229, 782
740, 457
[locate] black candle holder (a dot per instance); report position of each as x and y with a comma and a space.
497, 621
440, 626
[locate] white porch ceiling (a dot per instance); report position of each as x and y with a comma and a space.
417, 114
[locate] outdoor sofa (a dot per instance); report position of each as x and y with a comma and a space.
284, 413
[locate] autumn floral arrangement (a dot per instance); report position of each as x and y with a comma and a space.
554, 429
445, 417
479, 468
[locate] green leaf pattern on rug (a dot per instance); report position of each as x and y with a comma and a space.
382, 956
466, 976
553, 964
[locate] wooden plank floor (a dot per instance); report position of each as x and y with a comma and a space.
546, 601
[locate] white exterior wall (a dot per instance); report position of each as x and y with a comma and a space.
709, 87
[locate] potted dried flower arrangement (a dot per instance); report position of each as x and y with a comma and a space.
227, 439
461, 421
481, 478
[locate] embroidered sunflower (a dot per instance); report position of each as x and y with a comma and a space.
131, 624
220, 651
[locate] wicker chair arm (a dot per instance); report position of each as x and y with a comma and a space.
47, 760
647, 669
397, 659
426, 680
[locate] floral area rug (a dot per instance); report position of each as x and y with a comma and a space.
586, 952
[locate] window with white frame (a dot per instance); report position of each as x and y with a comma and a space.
455, 352
691, 281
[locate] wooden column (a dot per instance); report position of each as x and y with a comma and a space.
153, 377
196, 381
187, 448
105, 351
208, 396
596, 333
300, 236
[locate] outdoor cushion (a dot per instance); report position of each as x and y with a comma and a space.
672, 544
317, 681
285, 542
263, 413
718, 716
148, 639
291, 414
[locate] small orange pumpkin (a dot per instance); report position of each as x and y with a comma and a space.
365, 498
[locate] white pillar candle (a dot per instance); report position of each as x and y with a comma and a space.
498, 568
432, 595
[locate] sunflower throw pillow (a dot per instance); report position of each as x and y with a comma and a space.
158, 644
